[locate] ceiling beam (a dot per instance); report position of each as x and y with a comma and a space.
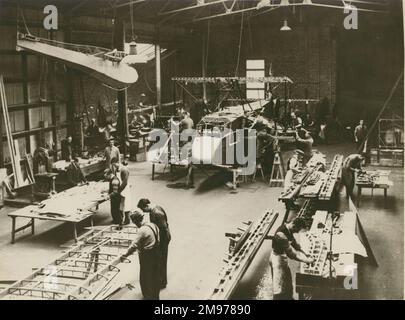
342, 6
128, 3
225, 14
272, 7
197, 6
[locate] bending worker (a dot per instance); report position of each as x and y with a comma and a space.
304, 143
351, 165
147, 244
284, 247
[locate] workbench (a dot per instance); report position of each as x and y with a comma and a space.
88, 166
376, 179
73, 205
334, 274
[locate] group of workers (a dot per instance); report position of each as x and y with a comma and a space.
153, 235
152, 244
284, 245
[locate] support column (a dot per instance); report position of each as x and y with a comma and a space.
70, 105
204, 64
122, 121
24, 62
158, 73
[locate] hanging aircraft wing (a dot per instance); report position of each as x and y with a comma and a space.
115, 74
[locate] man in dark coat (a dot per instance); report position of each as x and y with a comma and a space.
67, 148
74, 174
158, 216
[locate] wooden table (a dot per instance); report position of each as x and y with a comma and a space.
73, 205
377, 179
88, 166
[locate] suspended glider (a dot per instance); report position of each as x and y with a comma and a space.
112, 67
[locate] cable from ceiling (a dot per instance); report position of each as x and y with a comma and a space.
145, 78
207, 44
131, 12
240, 44
250, 35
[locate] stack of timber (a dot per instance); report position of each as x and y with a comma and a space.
14, 151
332, 178
239, 260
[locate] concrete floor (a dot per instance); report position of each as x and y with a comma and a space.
199, 219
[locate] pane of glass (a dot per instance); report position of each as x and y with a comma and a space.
47, 116
254, 64
35, 117
49, 139
255, 94
62, 112
18, 119
33, 142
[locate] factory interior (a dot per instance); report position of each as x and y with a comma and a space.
243, 149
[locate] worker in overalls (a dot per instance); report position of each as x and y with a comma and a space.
285, 246
146, 242
293, 166
120, 211
158, 216
351, 165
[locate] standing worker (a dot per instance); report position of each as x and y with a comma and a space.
351, 165
115, 201
111, 151
147, 244
158, 216
67, 148
285, 246
360, 134
122, 174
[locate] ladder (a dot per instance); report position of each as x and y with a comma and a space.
277, 171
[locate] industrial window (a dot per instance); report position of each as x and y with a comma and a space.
21, 147
62, 112
255, 69
40, 117
17, 121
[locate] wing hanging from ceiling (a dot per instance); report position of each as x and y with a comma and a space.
108, 66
